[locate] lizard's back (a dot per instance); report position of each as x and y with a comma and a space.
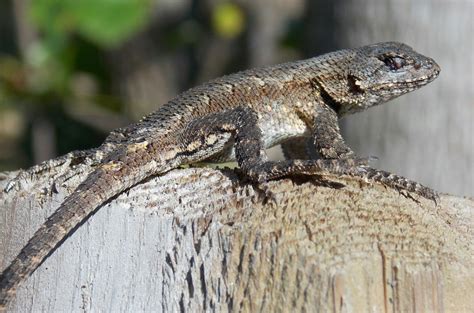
269, 91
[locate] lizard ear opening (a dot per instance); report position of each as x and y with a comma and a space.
342, 91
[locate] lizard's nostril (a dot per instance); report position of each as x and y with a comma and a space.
417, 66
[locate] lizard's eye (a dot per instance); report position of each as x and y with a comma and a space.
394, 63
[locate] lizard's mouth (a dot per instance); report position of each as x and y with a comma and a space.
409, 85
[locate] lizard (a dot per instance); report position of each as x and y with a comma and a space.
236, 117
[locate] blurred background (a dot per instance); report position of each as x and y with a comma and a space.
72, 70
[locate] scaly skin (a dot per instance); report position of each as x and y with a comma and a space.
238, 117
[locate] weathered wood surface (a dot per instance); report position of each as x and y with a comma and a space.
202, 240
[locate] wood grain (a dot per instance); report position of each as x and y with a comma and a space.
202, 240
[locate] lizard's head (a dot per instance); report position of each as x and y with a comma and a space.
380, 72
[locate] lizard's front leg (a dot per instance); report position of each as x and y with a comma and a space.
330, 145
327, 135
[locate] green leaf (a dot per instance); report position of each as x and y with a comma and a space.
105, 22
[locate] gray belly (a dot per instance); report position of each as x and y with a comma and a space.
277, 128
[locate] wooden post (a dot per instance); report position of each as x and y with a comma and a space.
201, 240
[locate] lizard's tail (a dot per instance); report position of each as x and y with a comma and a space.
98, 187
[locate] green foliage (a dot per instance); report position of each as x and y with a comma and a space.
65, 65
105, 22
73, 35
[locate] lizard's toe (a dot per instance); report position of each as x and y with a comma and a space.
428, 193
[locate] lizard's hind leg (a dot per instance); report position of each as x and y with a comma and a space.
91, 157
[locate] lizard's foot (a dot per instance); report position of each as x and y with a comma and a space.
276, 169
397, 182
71, 159
270, 170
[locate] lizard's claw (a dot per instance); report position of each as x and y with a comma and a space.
366, 161
267, 192
9, 186
373, 158
428, 193
361, 162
